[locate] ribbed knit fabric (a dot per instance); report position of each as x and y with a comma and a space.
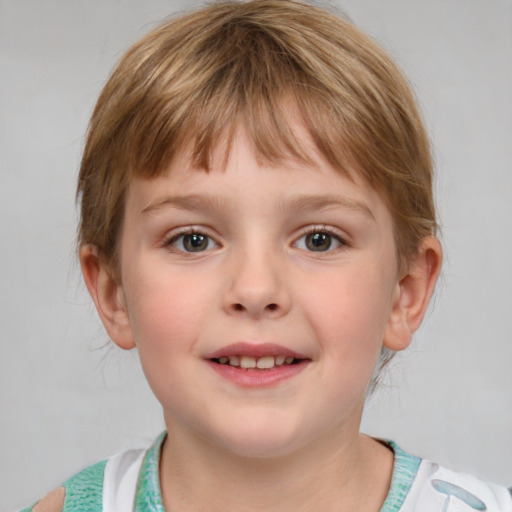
406, 467
84, 491
148, 496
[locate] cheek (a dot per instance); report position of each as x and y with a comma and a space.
166, 307
349, 314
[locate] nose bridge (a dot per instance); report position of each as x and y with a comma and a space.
256, 281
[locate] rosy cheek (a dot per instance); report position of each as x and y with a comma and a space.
167, 308
160, 324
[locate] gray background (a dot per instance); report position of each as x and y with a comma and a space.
68, 399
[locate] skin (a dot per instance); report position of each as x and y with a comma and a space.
259, 281
53, 502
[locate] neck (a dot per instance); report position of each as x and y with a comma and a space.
196, 475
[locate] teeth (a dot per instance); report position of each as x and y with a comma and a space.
265, 362
247, 362
262, 363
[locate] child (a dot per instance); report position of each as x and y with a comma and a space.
257, 219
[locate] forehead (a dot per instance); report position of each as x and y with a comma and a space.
241, 177
194, 161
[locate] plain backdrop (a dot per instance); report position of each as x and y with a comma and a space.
68, 398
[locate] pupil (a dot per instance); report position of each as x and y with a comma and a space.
318, 241
195, 242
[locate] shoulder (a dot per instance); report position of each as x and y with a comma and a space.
438, 488
81, 493
53, 502
107, 485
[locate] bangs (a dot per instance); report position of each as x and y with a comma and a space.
259, 85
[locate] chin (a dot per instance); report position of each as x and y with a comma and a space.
258, 433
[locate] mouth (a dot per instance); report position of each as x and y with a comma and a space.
267, 362
257, 365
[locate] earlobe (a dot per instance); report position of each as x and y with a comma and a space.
412, 295
107, 294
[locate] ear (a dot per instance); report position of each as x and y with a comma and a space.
412, 294
107, 294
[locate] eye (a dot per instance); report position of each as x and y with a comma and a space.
192, 242
319, 241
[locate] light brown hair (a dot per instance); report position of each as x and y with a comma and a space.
194, 79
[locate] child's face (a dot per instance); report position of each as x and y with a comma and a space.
257, 261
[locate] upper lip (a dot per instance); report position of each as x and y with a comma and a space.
254, 350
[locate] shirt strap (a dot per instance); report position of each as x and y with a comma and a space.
84, 490
148, 496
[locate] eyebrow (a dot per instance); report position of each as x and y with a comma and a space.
296, 202
318, 202
187, 202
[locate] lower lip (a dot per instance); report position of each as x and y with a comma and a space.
252, 378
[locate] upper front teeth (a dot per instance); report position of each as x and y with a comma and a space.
247, 362
263, 363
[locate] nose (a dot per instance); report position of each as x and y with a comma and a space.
256, 287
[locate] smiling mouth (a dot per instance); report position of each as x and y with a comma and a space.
256, 363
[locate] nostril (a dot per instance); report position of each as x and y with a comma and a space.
240, 307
